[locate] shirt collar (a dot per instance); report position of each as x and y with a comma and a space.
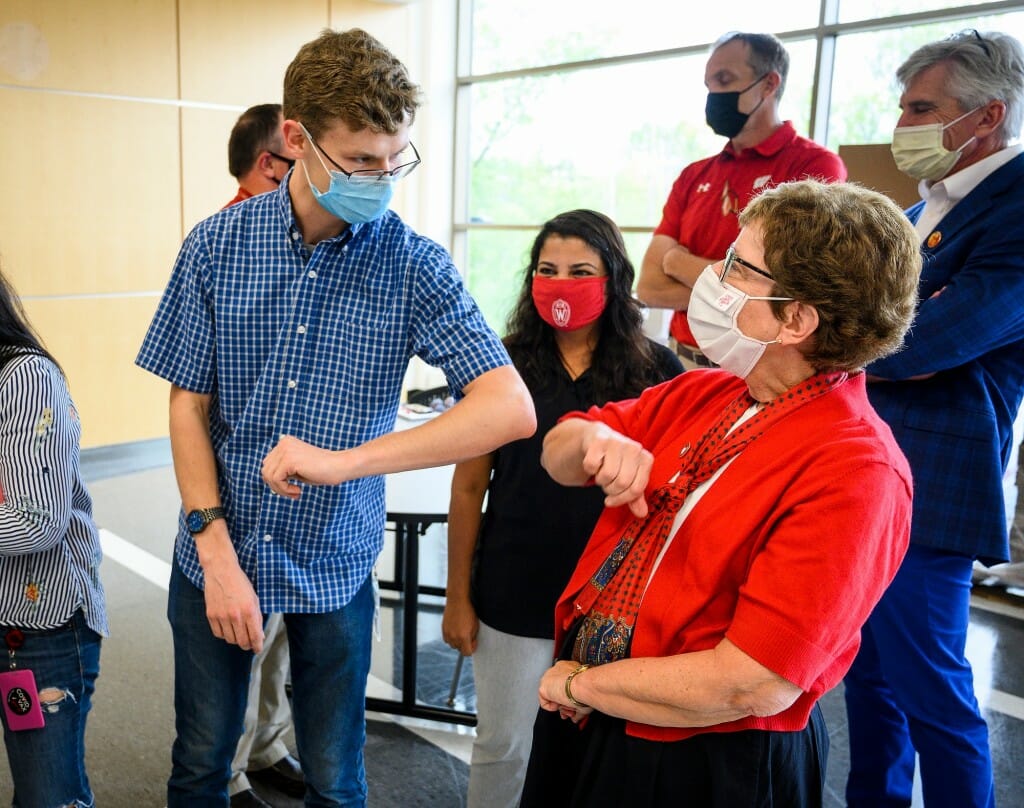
770, 146
956, 186
284, 201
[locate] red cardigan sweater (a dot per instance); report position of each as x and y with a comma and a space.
787, 552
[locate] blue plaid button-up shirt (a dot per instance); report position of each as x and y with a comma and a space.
311, 342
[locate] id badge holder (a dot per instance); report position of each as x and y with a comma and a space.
18, 692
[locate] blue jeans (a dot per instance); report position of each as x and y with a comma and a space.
911, 689
48, 764
330, 658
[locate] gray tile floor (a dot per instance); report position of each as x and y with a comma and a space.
131, 728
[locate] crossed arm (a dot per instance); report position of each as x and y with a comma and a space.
668, 273
698, 689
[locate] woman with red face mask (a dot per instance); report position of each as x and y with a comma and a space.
575, 336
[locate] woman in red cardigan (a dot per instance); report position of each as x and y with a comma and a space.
754, 515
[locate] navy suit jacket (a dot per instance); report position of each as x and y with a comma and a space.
956, 427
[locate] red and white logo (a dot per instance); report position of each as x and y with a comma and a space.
725, 300
560, 312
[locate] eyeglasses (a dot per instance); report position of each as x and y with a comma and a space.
731, 258
370, 174
972, 35
282, 158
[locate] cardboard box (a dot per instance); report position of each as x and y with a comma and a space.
872, 166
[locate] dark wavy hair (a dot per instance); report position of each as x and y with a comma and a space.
623, 364
16, 334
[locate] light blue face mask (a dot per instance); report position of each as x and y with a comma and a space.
355, 200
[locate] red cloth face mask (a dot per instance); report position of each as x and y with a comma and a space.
569, 304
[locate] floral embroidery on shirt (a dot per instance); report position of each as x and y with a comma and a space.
94, 568
32, 511
43, 429
32, 592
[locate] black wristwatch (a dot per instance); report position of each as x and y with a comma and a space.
197, 520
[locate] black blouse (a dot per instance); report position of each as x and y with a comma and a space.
534, 529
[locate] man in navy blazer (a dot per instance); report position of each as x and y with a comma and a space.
950, 396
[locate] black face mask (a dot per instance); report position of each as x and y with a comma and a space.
722, 111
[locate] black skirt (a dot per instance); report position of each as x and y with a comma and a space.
600, 766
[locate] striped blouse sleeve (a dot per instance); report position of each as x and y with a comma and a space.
38, 441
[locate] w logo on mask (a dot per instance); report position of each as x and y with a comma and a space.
561, 312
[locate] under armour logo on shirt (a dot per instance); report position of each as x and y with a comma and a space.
704, 187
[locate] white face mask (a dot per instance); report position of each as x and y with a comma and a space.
714, 307
920, 153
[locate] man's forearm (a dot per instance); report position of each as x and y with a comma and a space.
195, 469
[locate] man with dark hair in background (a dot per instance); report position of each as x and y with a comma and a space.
745, 76
256, 151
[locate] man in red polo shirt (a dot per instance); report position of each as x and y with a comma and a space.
256, 152
745, 76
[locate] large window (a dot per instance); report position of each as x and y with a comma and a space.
600, 103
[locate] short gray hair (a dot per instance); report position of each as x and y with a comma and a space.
982, 67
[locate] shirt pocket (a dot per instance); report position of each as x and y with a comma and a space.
359, 372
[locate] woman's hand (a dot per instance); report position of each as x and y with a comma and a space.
552, 692
619, 465
459, 626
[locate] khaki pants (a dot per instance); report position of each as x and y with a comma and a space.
268, 716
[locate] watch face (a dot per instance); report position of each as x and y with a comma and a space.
194, 521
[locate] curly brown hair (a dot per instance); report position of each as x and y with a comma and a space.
852, 254
349, 76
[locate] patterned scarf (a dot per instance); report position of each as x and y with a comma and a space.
610, 600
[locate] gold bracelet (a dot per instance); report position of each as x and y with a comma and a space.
568, 686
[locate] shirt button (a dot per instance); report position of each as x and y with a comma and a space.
295, 235
312, 273
301, 329
292, 384
268, 537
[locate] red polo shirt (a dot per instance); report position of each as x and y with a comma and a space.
241, 195
702, 208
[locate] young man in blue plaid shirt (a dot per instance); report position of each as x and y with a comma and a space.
295, 313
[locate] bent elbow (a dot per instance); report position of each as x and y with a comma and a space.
770, 700
526, 419
644, 292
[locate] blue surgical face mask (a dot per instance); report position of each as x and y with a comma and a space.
352, 199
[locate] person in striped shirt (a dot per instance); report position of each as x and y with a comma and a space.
52, 607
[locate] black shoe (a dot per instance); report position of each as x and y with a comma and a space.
285, 776
249, 799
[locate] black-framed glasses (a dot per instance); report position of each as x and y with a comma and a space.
731, 258
290, 161
972, 35
368, 174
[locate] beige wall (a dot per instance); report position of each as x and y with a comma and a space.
114, 136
